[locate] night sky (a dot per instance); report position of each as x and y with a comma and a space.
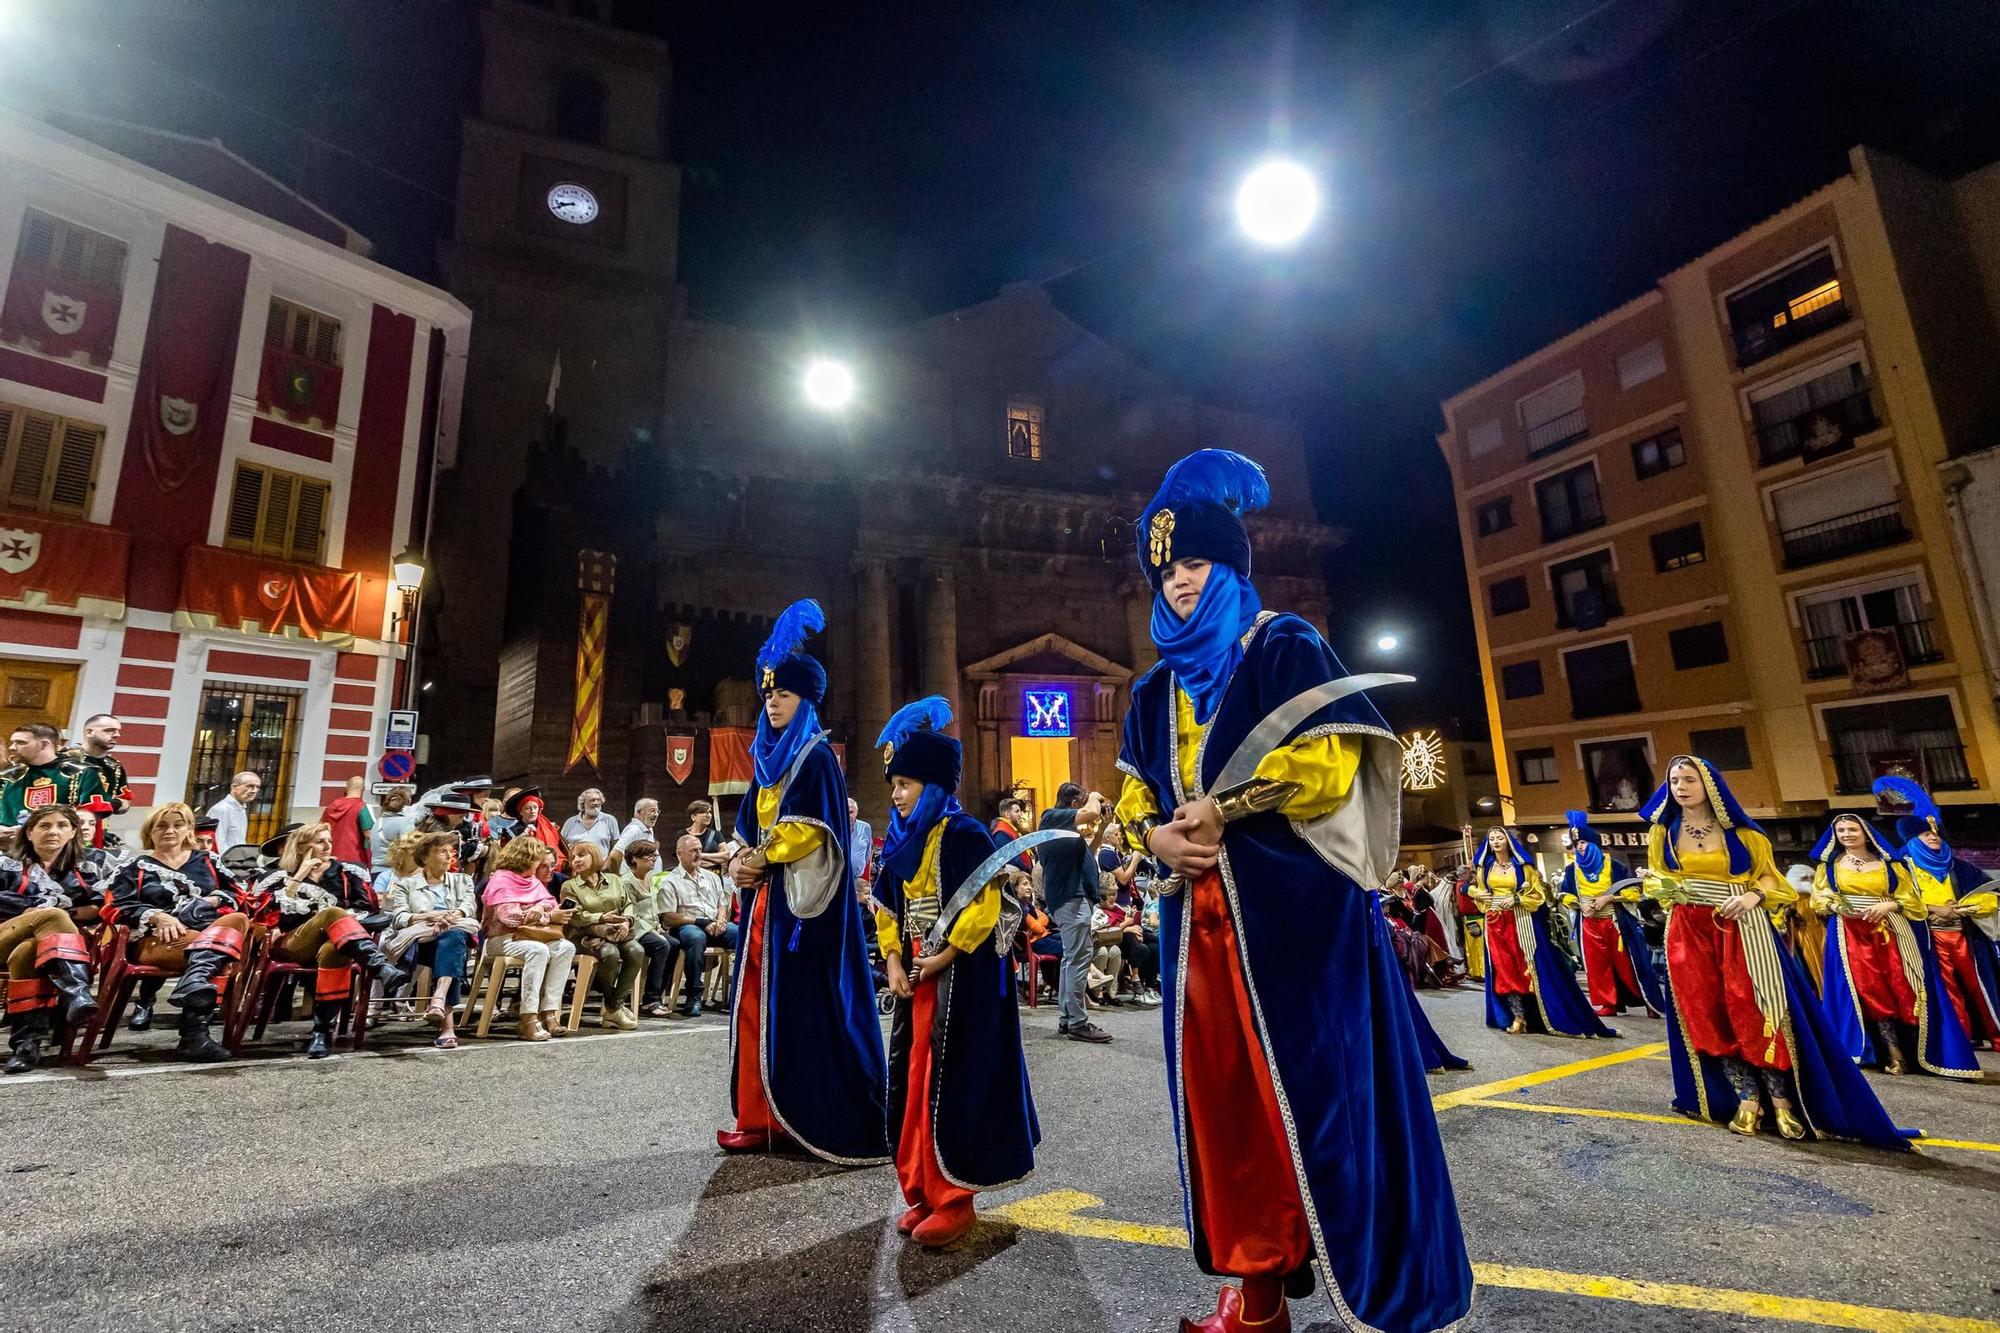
1499, 173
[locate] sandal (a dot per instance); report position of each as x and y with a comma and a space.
445, 1041
435, 1014
658, 1010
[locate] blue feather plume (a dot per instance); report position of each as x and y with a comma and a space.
800, 620
1904, 789
1578, 819
1218, 476
931, 714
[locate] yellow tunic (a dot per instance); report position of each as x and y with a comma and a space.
1501, 880
1872, 883
971, 927
1591, 888
791, 840
1934, 892
1714, 865
1323, 766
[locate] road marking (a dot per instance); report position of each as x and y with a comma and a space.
1651, 1118
1446, 1100
1060, 1211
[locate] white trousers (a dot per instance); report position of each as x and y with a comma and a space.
545, 969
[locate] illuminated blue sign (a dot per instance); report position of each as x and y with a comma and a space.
1046, 712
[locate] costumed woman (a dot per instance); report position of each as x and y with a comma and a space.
1617, 965
1530, 983
1962, 909
805, 1043
48, 961
1882, 995
1300, 1109
1746, 1026
527, 809
960, 1113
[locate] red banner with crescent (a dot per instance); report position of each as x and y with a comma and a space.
254, 594
680, 758
298, 388
729, 768
595, 572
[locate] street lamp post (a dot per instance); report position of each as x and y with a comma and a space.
409, 574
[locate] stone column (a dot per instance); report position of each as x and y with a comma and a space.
1137, 594
872, 704
940, 662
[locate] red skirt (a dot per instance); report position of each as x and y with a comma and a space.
1712, 989
1504, 959
1962, 984
1241, 1184
917, 1169
1607, 967
753, 1109
1875, 970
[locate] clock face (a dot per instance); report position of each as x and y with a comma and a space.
572, 203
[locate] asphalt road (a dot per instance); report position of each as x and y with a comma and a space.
576, 1185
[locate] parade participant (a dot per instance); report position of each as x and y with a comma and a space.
100, 738
1617, 965
315, 901
960, 1113
1300, 1108
1530, 986
48, 960
1883, 996
1962, 908
184, 914
525, 808
41, 775
1746, 1027
805, 1045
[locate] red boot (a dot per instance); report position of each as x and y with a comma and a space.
1607, 1011
911, 1220
736, 1140
1230, 1317
944, 1226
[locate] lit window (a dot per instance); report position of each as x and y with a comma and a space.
1024, 431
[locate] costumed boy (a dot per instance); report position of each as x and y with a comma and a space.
1617, 965
1962, 908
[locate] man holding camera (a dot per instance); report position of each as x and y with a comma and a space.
1069, 890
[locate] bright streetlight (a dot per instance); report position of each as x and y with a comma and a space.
1277, 202
1387, 643
829, 384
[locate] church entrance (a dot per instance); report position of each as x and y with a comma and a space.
1039, 765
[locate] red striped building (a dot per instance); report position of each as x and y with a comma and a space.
219, 425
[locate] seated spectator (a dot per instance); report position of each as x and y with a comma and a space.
521, 919
498, 825
602, 930
314, 904
645, 816
431, 909
47, 958
642, 907
592, 822
694, 908
1107, 924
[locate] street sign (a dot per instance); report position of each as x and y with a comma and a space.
384, 788
397, 765
402, 734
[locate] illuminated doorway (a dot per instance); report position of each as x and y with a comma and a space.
1039, 766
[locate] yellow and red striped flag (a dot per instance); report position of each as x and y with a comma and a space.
596, 572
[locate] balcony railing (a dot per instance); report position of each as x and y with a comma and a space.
1826, 654
1550, 436
1818, 432
1944, 769
1863, 530
1804, 315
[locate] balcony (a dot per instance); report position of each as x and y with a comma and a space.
1826, 654
1848, 534
1816, 432
1943, 767
1792, 306
1559, 433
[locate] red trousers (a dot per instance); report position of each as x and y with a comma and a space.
1875, 969
1240, 1178
1607, 967
753, 1109
1961, 983
1504, 958
1712, 987
917, 1169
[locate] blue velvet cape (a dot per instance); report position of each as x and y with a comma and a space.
1651, 986
1430, 1046
982, 1113
1969, 878
825, 1071
1558, 1006
1943, 1045
1332, 1002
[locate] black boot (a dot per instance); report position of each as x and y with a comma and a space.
30, 1030
142, 1007
72, 982
198, 981
326, 1013
197, 1046
375, 963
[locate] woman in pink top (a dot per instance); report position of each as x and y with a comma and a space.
513, 900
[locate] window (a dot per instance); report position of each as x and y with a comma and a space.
1786, 308
1496, 516
1698, 645
1908, 735
1521, 680
1829, 618
1840, 513
1586, 592
1658, 453
580, 107
277, 513
1553, 416
1537, 766
50, 463
1618, 773
1483, 438
1024, 431
1812, 418
1508, 595
246, 728
71, 280
1569, 503
1647, 361
1601, 681
1728, 748
303, 333
1677, 548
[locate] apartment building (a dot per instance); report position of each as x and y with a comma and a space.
1711, 520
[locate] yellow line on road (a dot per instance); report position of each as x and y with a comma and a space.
1480, 1092
1060, 1211
1647, 1117
1964, 1145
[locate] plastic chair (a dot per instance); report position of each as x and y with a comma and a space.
586, 970
114, 990
490, 970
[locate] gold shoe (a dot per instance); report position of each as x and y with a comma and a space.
1517, 1027
1789, 1123
529, 1028
1747, 1116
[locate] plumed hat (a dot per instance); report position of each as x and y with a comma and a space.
914, 745
1580, 829
1197, 513
1921, 820
780, 664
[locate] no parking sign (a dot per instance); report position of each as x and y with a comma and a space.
397, 765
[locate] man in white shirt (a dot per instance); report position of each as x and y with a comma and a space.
645, 815
594, 822
232, 813
860, 848
694, 912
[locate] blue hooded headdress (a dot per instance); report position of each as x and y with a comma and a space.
1924, 818
914, 746
1827, 850
781, 666
1197, 514
1661, 808
1589, 844
1486, 859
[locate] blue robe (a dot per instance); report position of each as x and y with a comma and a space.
1558, 1007
1333, 1004
826, 1075
1651, 986
982, 1112
1969, 878
1432, 1050
1943, 1045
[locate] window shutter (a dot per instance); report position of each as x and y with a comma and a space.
38, 240
301, 332
281, 490
310, 528
75, 470
31, 461
326, 340
245, 499
277, 326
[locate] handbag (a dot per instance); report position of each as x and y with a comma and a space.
539, 934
